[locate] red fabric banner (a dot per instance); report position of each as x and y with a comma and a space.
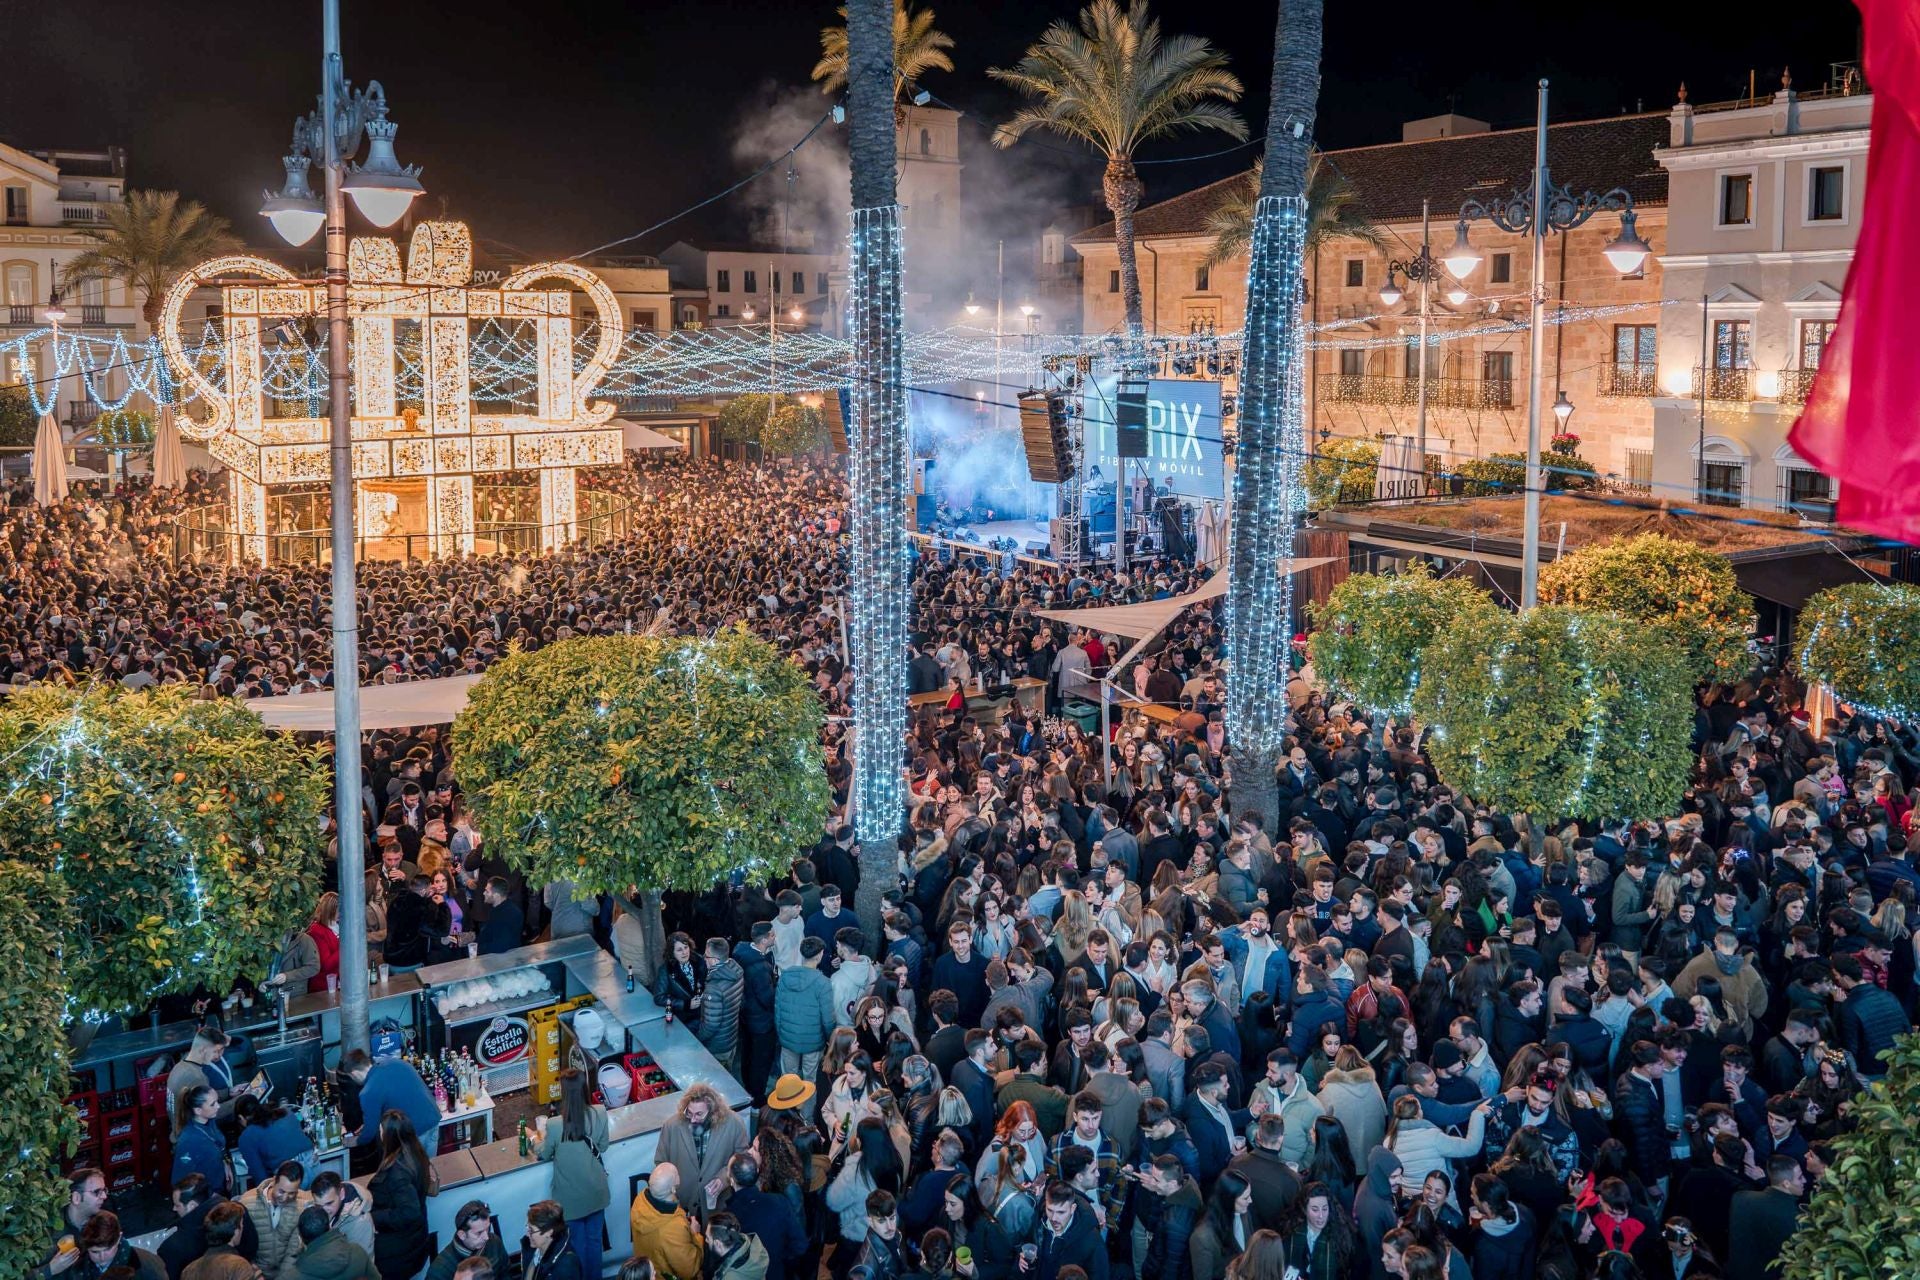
1861, 423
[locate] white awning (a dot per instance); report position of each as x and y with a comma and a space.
1148, 618
382, 706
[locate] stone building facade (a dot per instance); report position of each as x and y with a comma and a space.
1366, 364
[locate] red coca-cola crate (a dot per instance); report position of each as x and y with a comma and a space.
121, 1125
156, 1154
153, 1096
87, 1107
86, 1157
122, 1153
120, 1100
122, 1180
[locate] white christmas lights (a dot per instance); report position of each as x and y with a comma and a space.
1266, 479
879, 556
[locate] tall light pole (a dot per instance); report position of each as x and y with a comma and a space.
1534, 213
1423, 270
382, 191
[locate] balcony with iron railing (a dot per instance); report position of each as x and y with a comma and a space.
1626, 379
82, 413
1442, 393
21, 313
1726, 385
1796, 385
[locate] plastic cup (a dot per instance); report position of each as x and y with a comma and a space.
473, 951
333, 982
386, 971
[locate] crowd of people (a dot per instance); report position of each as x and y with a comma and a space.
1113, 1024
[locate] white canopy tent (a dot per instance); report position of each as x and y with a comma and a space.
382, 706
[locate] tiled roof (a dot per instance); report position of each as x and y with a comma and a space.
1393, 178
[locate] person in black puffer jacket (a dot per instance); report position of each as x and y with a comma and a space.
1637, 1114
1503, 1233
400, 1190
1869, 1018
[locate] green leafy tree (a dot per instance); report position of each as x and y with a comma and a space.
1341, 470
1373, 628
125, 429
1662, 582
1860, 1222
917, 49
1115, 82
1558, 713
793, 427
1859, 641
180, 832
1334, 212
37, 1128
17, 423
638, 762
147, 242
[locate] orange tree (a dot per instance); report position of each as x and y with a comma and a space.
638, 762
148, 841
1667, 583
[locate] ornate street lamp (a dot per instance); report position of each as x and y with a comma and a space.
1533, 213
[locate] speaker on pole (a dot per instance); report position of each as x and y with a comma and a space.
1173, 530
1130, 419
836, 410
1044, 432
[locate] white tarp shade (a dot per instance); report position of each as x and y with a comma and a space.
382, 706
49, 463
1147, 619
640, 436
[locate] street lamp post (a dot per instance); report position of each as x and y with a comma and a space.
1546, 208
382, 191
1423, 270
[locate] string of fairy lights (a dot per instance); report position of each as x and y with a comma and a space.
683, 364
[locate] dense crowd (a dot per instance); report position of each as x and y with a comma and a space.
1114, 1024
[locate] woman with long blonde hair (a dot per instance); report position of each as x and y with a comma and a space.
1076, 922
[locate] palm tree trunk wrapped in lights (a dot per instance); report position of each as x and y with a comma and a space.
877, 456
1271, 452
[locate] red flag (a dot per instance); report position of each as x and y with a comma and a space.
1861, 423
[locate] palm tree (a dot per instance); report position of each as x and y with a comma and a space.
1268, 456
917, 49
150, 241
877, 460
1334, 212
1113, 84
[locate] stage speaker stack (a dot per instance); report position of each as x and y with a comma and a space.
1173, 528
1130, 419
1044, 432
836, 410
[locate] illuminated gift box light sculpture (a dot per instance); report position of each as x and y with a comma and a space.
436, 446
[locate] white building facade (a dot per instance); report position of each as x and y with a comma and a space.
1764, 203
46, 199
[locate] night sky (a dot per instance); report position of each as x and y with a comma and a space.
556, 126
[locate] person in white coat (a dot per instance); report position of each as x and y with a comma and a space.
1423, 1146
